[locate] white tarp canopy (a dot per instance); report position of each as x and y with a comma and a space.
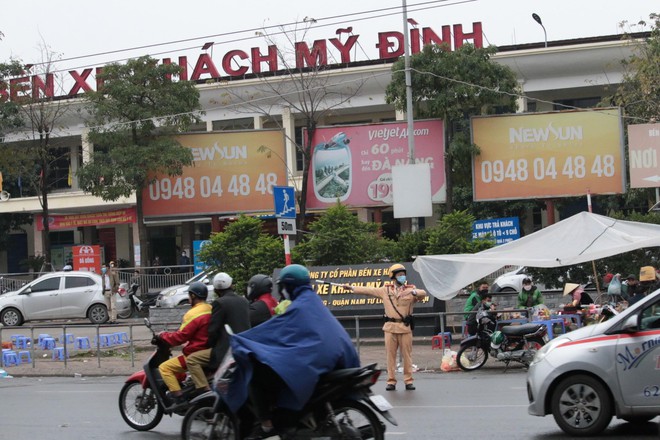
582, 237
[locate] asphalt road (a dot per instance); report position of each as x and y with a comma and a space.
479, 405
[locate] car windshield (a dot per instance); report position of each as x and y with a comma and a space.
199, 277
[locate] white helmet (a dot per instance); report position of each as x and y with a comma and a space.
222, 281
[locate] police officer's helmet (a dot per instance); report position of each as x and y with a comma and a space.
258, 285
198, 289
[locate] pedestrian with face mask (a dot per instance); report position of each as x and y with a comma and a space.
398, 298
529, 296
471, 305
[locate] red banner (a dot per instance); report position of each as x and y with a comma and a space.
117, 217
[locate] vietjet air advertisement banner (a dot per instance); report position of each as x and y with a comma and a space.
232, 172
568, 153
353, 164
643, 151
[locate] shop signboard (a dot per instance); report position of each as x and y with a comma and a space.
643, 152
353, 164
544, 155
232, 172
72, 221
87, 258
502, 230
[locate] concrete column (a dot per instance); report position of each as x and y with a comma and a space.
209, 125
86, 146
363, 215
289, 125
258, 122
137, 256
400, 115
38, 239
73, 156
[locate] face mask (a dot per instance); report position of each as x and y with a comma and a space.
483, 291
401, 279
103, 270
527, 288
488, 304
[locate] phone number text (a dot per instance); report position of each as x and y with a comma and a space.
211, 186
573, 167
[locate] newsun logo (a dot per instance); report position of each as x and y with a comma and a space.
544, 134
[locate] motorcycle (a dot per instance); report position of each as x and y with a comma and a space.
513, 343
143, 400
138, 307
341, 407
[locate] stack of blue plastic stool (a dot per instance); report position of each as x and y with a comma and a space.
9, 357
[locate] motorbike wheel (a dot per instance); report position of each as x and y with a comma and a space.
471, 357
198, 424
126, 314
141, 411
360, 417
581, 406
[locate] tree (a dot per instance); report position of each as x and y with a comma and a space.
40, 153
639, 91
454, 85
339, 237
453, 235
242, 250
302, 87
134, 115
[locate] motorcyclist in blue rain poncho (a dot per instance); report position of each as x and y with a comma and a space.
281, 360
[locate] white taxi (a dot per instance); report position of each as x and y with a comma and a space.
587, 376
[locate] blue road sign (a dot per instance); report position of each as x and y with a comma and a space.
285, 203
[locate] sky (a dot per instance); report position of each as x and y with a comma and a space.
80, 28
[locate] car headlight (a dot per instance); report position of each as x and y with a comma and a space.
547, 348
168, 293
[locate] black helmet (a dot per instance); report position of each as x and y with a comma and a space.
258, 285
199, 290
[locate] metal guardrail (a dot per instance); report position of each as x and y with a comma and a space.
442, 316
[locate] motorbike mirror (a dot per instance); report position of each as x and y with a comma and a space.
228, 329
147, 322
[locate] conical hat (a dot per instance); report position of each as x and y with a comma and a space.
569, 287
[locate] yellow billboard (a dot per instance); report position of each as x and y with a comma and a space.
544, 155
230, 174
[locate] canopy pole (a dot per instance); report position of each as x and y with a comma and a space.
593, 263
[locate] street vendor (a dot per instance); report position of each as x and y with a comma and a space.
575, 292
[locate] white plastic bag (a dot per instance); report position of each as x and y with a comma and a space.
615, 285
449, 361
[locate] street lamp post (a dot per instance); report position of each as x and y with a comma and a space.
538, 20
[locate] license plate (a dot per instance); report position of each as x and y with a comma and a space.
381, 403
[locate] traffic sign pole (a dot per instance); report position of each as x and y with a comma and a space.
287, 250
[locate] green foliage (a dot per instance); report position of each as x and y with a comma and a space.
453, 235
339, 237
242, 250
9, 112
408, 246
136, 113
639, 92
32, 263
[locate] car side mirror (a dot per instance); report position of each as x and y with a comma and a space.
630, 324
27, 291
206, 281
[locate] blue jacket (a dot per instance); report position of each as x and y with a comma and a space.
299, 345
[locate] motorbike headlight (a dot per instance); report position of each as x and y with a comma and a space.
547, 348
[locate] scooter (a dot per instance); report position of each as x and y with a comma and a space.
513, 343
139, 307
341, 407
143, 400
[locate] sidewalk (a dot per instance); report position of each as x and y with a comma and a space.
117, 360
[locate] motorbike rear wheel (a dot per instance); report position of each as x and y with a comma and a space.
138, 407
357, 415
198, 424
471, 357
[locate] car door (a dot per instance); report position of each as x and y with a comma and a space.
77, 295
638, 360
43, 299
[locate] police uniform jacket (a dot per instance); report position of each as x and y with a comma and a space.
395, 298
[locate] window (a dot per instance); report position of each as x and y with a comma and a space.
46, 285
75, 282
651, 317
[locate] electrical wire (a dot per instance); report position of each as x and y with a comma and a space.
257, 32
